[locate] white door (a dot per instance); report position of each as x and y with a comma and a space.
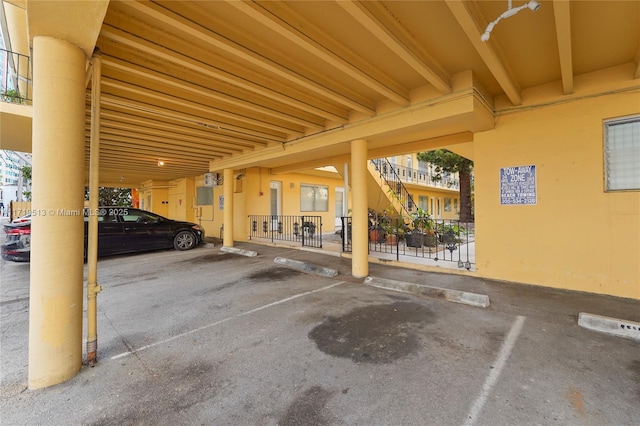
339, 208
275, 188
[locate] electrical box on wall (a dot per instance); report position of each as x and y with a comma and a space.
211, 179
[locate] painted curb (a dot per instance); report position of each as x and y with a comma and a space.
241, 252
466, 298
613, 326
306, 267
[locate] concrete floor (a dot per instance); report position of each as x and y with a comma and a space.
206, 337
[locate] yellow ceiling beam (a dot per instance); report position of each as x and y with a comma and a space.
422, 145
488, 54
241, 53
446, 109
214, 114
311, 164
75, 21
459, 139
176, 141
160, 113
390, 90
135, 140
172, 57
410, 56
203, 92
204, 137
562, 15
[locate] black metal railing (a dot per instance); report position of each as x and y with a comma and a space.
399, 191
15, 77
435, 239
422, 177
346, 242
306, 230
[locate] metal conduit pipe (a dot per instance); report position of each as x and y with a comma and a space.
92, 245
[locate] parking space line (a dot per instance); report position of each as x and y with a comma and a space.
492, 379
204, 327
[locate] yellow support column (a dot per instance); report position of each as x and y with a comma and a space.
360, 224
227, 235
57, 241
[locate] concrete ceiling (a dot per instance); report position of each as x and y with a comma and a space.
204, 85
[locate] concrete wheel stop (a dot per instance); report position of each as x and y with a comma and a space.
457, 296
306, 267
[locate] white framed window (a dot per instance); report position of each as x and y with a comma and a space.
622, 154
314, 198
423, 202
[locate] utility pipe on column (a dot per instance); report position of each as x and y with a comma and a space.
92, 246
345, 204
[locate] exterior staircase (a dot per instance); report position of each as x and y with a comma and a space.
396, 194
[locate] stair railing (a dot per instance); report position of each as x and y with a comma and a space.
389, 174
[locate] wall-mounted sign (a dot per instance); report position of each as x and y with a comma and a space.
518, 185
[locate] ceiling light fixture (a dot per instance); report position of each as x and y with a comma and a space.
160, 163
533, 5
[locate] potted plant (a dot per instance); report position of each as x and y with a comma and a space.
421, 230
390, 232
12, 96
376, 231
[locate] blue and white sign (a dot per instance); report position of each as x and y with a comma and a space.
518, 185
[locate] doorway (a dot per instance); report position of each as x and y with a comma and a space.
275, 189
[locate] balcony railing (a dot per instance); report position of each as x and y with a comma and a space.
423, 177
15, 78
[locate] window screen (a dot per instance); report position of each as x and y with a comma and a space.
622, 154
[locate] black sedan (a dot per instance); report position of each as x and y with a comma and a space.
120, 230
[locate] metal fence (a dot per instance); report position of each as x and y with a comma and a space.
435, 239
15, 77
306, 230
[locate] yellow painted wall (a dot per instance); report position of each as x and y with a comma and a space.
577, 236
291, 196
154, 197
252, 197
182, 199
416, 191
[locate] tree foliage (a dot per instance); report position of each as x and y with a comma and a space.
26, 172
445, 161
120, 197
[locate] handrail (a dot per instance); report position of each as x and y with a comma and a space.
15, 77
390, 176
425, 177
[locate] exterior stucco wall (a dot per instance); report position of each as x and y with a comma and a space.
577, 236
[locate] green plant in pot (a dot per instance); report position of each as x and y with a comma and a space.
376, 231
390, 232
422, 232
12, 96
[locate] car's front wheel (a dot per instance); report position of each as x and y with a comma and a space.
184, 240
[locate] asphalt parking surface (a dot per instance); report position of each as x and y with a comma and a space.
207, 337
